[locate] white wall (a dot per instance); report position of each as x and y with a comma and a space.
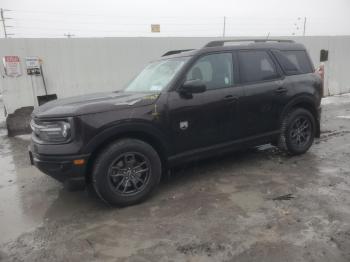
87, 65
337, 69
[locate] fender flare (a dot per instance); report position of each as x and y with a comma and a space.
305, 99
133, 129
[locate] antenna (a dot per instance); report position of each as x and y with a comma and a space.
268, 35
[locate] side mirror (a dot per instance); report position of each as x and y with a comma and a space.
193, 86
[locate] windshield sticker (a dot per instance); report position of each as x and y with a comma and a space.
156, 88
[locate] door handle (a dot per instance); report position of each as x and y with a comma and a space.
231, 98
281, 90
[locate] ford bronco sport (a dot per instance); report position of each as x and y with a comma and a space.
185, 106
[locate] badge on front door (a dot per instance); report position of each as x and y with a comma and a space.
183, 125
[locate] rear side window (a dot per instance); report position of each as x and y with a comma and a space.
294, 62
256, 66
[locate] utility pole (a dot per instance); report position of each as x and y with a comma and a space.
69, 35
224, 29
3, 20
304, 28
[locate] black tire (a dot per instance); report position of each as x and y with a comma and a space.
126, 172
293, 139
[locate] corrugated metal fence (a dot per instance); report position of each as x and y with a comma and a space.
79, 66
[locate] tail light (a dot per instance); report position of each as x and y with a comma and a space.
320, 73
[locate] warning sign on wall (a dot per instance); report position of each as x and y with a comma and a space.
33, 65
12, 66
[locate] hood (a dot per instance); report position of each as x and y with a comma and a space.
94, 103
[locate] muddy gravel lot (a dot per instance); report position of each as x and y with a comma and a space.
257, 205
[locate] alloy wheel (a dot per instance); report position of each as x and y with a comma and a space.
129, 173
300, 131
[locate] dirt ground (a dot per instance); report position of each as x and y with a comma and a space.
257, 205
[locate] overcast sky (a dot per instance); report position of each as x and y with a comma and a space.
104, 18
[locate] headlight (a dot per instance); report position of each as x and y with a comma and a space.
51, 131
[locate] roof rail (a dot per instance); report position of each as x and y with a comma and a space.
173, 52
222, 42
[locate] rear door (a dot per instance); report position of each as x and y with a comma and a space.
264, 92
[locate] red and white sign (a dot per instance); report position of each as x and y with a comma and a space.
12, 66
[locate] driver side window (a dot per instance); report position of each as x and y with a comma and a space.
215, 70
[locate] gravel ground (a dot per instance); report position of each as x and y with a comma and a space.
257, 205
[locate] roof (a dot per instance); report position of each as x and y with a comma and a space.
216, 46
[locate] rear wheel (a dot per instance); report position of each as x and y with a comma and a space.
297, 131
126, 172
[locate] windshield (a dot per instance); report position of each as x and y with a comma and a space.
156, 76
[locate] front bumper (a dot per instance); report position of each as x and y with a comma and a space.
61, 168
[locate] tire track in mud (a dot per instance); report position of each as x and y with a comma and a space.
328, 134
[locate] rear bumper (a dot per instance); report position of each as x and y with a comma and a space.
61, 168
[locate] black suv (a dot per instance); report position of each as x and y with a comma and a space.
187, 105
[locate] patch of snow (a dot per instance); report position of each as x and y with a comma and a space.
336, 99
345, 117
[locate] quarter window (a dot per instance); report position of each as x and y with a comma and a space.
256, 66
294, 62
215, 70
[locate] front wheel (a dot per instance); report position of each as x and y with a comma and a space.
126, 172
297, 132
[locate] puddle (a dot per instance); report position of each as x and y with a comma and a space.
248, 200
22, 205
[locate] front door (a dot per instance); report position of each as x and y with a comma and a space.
205, 119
